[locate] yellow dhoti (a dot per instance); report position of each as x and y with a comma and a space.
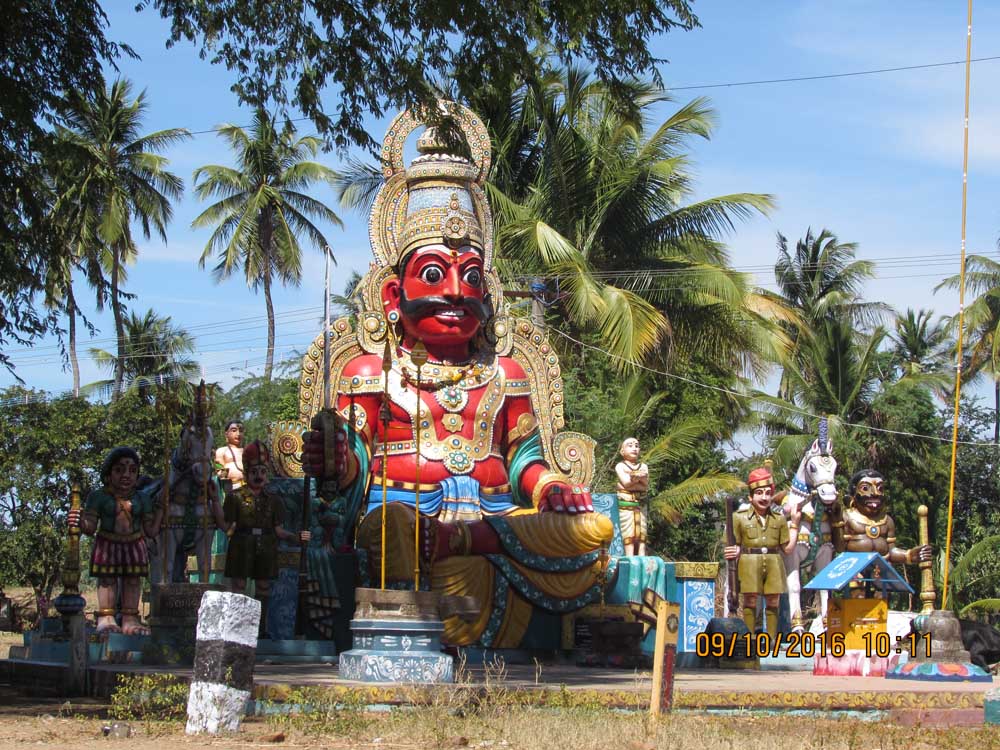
547, 564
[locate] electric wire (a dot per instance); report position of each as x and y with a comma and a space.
750, 397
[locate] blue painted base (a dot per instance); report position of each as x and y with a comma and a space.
294, 651
938, 671
54, 647
397, 651
991, 706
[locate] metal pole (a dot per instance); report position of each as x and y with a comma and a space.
419, 358
961, 312
326, 332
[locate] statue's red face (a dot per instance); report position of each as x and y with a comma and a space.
440, 299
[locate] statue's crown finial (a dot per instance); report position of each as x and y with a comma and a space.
438, 198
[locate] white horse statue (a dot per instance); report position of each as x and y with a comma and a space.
193, 509
813, 479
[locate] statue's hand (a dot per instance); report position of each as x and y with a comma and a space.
73, 518
924, 553
731, 552
315, 462
564, 498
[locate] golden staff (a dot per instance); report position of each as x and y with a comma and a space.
71, 566
384, 416
927, 593
419, 358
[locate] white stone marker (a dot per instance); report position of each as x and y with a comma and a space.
223, 662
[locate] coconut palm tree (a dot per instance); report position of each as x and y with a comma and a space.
822, 278
156, 353
262, 208
77, 231
116, 177
607, 213
922, 349
982, 324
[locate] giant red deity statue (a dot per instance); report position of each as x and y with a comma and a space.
466, 434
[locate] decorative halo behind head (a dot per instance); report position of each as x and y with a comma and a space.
440, 198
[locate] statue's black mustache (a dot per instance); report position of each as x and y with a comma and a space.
422, 306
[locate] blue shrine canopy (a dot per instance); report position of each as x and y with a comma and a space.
869, 567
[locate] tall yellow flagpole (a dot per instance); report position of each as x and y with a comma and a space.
961, 310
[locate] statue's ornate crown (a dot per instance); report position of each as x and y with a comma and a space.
439, 199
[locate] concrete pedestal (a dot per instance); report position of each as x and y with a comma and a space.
397, 638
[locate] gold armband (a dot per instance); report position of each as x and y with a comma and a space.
838, 524
910, 556
546, 478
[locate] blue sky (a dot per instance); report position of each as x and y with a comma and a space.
877, 159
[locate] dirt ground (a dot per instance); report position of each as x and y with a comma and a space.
84, 726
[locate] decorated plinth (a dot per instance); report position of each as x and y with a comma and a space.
946, 660
397, 638
173, 616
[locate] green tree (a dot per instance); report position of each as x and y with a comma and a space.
982, 324
118, 178
156, 353
607, 212
45, 446
922, 350
49, 47
382, 54
262, 208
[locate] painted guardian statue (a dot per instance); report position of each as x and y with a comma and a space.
468, 437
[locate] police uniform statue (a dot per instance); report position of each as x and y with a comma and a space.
762, 536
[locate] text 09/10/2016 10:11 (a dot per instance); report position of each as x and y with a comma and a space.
808, 645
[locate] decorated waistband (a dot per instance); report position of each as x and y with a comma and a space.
502, 489
113, 537
458, 496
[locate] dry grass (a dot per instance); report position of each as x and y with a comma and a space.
520, 729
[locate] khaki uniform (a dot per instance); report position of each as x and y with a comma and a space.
761, 573
253, 548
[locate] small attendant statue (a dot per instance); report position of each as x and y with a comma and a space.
230, 457
633, 484
121, 519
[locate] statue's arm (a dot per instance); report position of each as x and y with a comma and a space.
624, 475
86, 519
837, 525
548, 490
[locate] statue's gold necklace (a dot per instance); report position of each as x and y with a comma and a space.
448, 382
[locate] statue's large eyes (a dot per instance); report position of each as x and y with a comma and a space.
432, 274
473, 277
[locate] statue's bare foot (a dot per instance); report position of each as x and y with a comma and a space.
106, 624
132, 626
